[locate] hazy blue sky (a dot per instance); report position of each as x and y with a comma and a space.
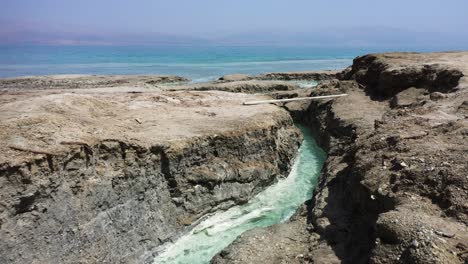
223, 18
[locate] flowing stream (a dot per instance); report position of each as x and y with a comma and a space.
274, 205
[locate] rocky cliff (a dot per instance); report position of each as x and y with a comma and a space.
394, 187
108, 177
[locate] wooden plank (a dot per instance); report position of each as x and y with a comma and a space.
35, 151
294, 99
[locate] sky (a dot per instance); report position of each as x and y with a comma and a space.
113, 21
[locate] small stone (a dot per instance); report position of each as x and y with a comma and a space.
415, 244
322, 223
178, 200
372, 197
445, 234
437, 96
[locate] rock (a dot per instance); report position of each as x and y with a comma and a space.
463, 106
307, 75
345, 74
390, 73
322, 224
253, 86
437, 96
407, 97
235, 77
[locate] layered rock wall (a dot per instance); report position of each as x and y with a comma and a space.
117, 192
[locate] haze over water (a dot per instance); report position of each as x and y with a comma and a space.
199, 63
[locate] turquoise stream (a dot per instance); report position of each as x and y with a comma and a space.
274, 205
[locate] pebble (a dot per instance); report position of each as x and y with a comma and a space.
437, 96
415, 243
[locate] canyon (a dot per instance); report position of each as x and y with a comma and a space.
394, 186
107, 173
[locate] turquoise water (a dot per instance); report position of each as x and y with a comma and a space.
274, 205
196, 63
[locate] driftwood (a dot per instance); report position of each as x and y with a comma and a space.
294, 99
35, 151
74, 143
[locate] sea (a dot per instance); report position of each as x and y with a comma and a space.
198, 63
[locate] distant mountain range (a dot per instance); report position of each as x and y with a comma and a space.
14, 34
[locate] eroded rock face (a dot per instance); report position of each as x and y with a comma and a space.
287, 76
86, 188
307, 75
385, 198
388, 74
252, 86
394, 186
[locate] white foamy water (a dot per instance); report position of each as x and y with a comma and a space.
274, 205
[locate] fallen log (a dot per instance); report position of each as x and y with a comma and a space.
294, 99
